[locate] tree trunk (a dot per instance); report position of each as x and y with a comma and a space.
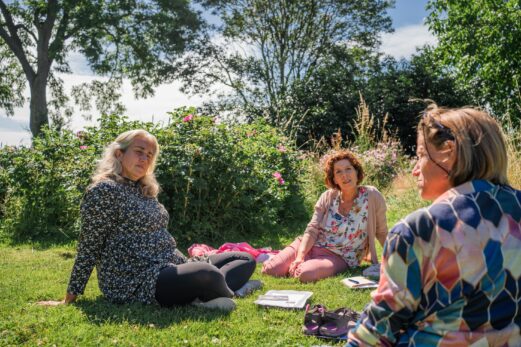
38, 105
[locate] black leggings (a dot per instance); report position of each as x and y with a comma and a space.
225, 273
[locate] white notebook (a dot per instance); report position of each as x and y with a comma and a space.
284, 298
359, 282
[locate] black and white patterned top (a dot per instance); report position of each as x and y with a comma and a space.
124, 234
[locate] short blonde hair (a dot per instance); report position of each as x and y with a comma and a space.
109, 167
480, 144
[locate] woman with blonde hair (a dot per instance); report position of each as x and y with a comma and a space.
124, 235
451, 272
348, 220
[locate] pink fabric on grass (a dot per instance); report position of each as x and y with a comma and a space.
260, 254
199, 249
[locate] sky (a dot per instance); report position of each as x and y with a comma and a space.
409, 32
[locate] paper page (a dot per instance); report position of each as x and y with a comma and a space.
359, 282
284, 298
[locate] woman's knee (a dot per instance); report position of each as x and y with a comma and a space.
207, 275
306, 276
249, 259
246, 256
278, 265
251, 264
275, 267
311, 271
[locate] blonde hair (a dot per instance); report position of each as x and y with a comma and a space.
109, 167
480, 144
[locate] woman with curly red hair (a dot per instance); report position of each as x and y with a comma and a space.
348, 218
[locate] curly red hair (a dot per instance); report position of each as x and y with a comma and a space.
329, 164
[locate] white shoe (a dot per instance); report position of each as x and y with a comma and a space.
248, 288
223, 303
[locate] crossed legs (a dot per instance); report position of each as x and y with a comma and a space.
225, 273
319, 263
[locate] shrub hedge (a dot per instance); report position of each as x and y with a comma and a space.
220, 182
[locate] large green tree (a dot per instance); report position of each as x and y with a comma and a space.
11, 82
388, 85
481, 39
264, 47
393, 88
118, 38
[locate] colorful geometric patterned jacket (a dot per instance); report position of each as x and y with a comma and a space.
451, 274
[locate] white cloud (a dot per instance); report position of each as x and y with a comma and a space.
78, 64
14, 130
403, 42
14, 138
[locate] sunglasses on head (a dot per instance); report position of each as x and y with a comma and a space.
444, 132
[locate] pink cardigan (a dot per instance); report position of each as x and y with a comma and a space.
376, 222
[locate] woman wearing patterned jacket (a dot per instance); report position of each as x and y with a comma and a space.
124, 234
451, 272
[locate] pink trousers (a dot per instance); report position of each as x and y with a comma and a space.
318, 263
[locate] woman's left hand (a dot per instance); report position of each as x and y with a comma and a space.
69, 298
294, 265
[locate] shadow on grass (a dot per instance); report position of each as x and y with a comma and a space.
354, 271
101, 311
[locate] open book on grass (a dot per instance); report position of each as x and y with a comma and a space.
359, 282
284, 298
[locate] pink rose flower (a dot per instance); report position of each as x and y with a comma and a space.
84, 147
278, 176
188, 118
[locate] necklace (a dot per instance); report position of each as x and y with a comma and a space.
345, 206
351, 199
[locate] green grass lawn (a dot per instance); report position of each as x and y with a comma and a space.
29, 274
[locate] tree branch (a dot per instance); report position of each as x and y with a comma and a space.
45, 30
13, 41
22, 26
59, 39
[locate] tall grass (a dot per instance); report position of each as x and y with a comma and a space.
369, 131
381, 155
402, 197
514, 157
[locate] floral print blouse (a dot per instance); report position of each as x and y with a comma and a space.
451, 274
347, 235
124, 234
